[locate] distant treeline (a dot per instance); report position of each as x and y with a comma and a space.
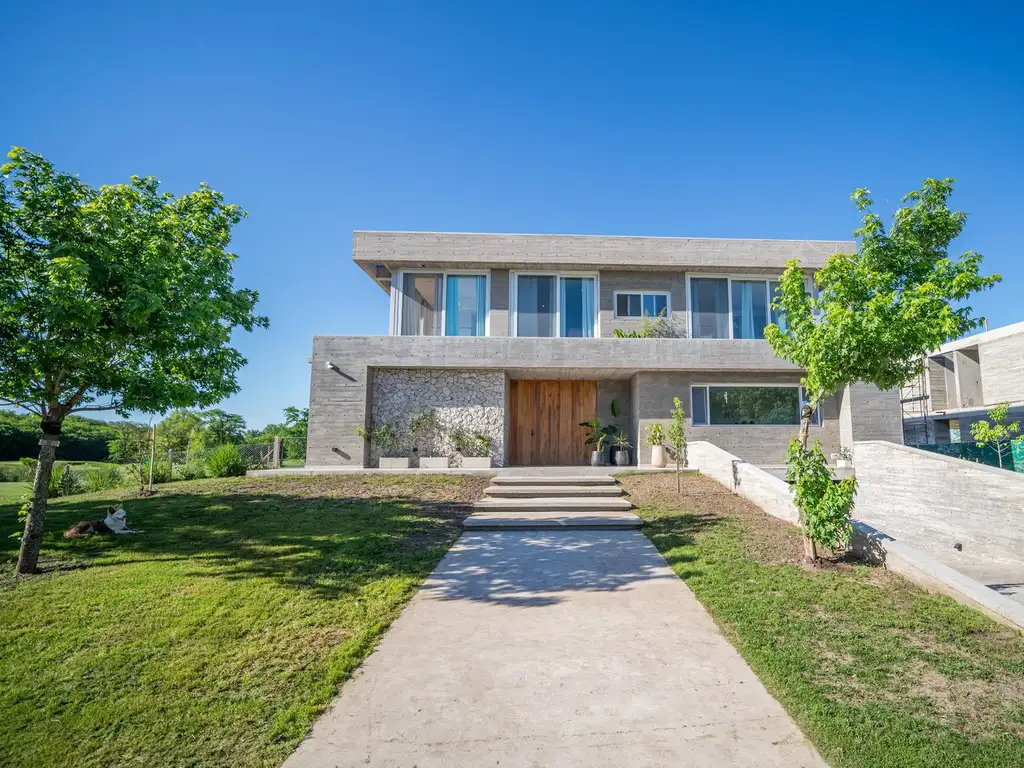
81, 439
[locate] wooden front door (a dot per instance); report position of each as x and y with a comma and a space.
544, 422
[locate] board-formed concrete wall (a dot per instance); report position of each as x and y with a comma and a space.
933, 501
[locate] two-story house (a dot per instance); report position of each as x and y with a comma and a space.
512, 336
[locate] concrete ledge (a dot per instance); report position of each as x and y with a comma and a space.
772, 495
525, 521
924, 570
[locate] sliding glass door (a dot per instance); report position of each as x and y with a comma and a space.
555, 305
466, 305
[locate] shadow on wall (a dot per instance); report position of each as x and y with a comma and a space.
529, 569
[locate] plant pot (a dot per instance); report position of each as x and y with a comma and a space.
434, 462
476, 462
658, 456
622, 457
843, 463
402, 463
596, 458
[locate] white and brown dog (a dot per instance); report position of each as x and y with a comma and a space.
115, 522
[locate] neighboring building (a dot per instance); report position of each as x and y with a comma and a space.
961, 382
512, 336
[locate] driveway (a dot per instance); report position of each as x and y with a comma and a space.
563, 648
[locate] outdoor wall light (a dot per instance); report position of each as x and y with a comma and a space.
332, 367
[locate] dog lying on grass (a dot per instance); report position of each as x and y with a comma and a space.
115, 522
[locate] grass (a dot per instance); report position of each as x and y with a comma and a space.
12, 492
216, 637
875, 671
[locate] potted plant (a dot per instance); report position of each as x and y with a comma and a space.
620, 452
597, 437
655, 438
425, 430
843, 459
386, 440
474, 449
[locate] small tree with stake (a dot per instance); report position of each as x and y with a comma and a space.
118, 298
876, 314
677, 438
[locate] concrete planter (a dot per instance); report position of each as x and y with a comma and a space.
621, 457
394, 463
658, 456
434, 462
476, 462
596, 458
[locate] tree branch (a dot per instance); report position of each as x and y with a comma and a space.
30, 407
108, 407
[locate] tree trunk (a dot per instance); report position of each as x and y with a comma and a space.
679, 488
806, 414
32, 537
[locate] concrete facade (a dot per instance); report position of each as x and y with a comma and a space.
640, 375
963, 380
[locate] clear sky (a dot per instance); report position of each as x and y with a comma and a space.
674, 119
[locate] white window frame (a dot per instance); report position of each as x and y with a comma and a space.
513, 301
641, 294
707, 405
808, 283
395, 317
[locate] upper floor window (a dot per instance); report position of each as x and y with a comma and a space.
554, 305
640, 304
441, 304
732, 308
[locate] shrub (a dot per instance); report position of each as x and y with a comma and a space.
16, 474
105, 476
192, 471
64, 483
225, 461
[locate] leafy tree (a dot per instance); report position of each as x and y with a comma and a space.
81, 439
222, 428
118, 298
178, 429
876, 314
998, 433
677, 438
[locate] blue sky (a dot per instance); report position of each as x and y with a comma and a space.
670, 119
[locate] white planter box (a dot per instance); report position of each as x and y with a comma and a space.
476, 462
438, 462
394, 463
658, 456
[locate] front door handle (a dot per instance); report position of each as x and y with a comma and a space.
531, 433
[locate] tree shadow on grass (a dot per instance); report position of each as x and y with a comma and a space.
330, 545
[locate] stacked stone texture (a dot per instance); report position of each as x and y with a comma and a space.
470, 401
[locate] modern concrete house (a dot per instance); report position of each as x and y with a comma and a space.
512, 336
961, 381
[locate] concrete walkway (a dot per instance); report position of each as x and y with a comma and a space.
557, 648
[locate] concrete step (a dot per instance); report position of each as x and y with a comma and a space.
541, 491
553, 480
553, 504
526, 521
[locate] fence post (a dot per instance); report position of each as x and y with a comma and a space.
275, 460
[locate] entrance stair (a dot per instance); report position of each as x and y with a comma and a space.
537, 501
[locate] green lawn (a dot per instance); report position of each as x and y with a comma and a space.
216, 637
874, 670
13, 492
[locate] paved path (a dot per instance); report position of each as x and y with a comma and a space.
560, 648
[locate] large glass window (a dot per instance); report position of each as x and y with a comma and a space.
535, 305
756, 405
709, 298
778, 316
641, 305
577, 307
555, 305
421, 304
465, 305
749, 309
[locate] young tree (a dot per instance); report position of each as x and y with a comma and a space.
998, 433
876, 314
177, 430
118, 298
677, 438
